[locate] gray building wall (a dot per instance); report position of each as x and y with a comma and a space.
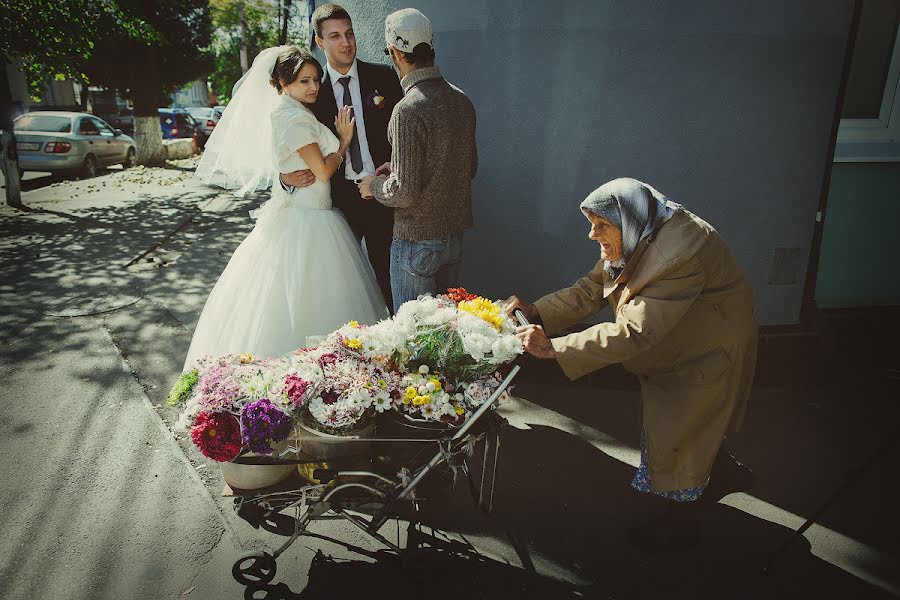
725, 107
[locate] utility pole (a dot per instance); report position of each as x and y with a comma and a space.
9, 163
245, 64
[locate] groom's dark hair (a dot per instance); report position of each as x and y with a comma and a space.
288, 66
325, 12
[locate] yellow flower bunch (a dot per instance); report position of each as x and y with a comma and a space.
484, 309
352, 344
246, 358
410, 395
422, 395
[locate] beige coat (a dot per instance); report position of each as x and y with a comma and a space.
685, 325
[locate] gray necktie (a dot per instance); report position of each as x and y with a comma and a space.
355, 155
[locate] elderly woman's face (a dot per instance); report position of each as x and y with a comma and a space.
607, 235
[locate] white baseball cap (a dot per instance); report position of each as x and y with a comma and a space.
406, 29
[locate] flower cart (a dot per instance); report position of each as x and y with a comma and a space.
351, 428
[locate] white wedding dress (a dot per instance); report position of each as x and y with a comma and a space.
300, 272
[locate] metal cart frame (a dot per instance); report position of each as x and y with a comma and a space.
373, 493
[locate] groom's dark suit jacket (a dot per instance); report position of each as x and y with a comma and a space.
367, 218
374, 80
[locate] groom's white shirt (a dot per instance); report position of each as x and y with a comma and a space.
356, 97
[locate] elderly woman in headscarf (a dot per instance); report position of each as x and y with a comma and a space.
684, 324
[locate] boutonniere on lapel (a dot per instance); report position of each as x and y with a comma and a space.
375, 100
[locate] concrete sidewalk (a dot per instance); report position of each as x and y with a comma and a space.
101, 284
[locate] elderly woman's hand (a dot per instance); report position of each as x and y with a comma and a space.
514, 303
535, 341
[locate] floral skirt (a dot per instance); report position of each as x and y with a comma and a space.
641, 481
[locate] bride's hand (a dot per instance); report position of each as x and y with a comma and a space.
345, 125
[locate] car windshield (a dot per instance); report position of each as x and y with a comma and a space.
186, 118
49, 123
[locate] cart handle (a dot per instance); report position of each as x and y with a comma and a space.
521, 318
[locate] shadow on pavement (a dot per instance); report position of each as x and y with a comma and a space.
566, 507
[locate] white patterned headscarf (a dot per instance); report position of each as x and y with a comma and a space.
637, 208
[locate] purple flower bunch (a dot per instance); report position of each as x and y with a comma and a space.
262, 423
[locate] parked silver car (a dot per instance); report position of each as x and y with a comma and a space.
70, 142
207, 118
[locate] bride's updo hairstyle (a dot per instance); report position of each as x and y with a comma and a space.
288, 66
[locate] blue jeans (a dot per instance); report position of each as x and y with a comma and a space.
424, 267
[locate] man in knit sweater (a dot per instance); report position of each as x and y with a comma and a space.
428, 181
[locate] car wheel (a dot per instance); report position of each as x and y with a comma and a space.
89, 168
129, 159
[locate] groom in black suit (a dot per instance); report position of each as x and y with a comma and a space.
373, 90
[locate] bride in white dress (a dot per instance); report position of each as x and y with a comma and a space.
301, 271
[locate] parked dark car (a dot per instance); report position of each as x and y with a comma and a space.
124, 120
177, 123
70, 142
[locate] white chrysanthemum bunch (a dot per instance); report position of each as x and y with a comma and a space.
484, 342
338, 415
260, 379
351, 385
381, 340
376, 390
426, 312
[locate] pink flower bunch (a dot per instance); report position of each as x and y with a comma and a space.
326, 360
217, 390
295, 387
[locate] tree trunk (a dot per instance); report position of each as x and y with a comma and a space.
146, 90
10, 168
282, 39
84, 96
148, 138
245, 63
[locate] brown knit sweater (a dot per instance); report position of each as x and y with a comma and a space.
433, 159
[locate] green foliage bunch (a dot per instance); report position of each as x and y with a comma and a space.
182, 388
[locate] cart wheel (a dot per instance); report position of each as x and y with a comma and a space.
269, 592
254, 568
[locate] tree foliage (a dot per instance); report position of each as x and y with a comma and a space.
262, 32
55, 40
264, 21
152, 71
